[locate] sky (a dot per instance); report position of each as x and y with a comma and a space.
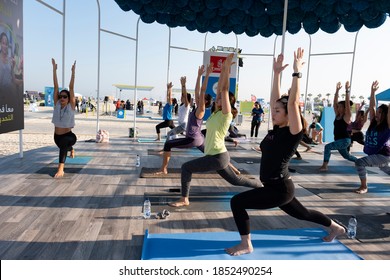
43, 41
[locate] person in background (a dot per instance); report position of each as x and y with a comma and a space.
355, 128
63, 119
194, 137
183, 111
216, 155
278, 147
342, 139
316, 131
377, 143
257, 116
166, 114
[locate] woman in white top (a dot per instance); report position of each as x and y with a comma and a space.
63, 119
184, 110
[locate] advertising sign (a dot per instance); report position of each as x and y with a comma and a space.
217, 58
11, 66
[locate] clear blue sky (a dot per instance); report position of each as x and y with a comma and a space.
43, 40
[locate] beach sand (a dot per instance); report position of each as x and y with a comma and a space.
38, 129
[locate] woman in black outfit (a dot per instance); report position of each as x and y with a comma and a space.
278, 146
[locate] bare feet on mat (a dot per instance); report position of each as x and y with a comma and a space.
239, 249
180, 203
72, 153
235, 142
336, 229
361, 190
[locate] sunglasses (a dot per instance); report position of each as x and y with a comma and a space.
62, 96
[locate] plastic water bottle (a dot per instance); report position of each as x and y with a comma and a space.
352, 227
138, 161
147, 209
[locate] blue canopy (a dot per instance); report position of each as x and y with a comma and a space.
383, 96
264, 17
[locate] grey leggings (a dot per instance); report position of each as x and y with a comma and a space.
342, 146
380, 161
218, 163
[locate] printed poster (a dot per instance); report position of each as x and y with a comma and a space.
11, 66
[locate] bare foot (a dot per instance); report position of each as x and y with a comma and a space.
59, 174
336, 229
72, 153
361, 190
308, 149
235, 143
157, 139
323, 169
181, 202
161, 172
239, 249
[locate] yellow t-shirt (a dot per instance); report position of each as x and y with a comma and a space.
217, 126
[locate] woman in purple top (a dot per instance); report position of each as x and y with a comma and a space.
377, 143
194, 137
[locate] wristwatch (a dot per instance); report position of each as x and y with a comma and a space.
297, 74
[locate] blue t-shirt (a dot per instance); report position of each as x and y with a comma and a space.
257, 114
167, 112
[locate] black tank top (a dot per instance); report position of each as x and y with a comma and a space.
277, 148
340, 129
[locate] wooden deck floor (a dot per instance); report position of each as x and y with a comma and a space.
96, 213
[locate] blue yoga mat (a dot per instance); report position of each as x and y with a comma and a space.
81, 160
150, 140
291, 244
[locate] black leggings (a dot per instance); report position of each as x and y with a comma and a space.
65, 142
218, 163
278, 193
165, 123
255, 128
358, 137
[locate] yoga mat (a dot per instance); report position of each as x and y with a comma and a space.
257, 159
231, 148
48, 172
346, 190
150, 140
281, 244
199, 201
190, 151
147, 172
78, 160
332, 169
248, 160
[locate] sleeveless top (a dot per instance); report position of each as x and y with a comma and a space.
63, 117
193, 126
340, 130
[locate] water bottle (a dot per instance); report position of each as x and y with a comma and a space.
352, 227
138, 161
147, 209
